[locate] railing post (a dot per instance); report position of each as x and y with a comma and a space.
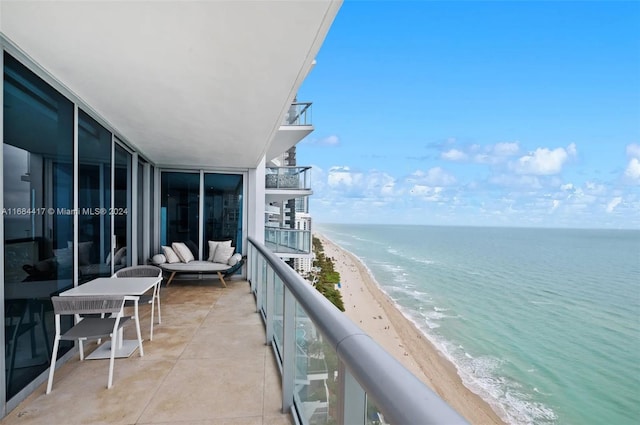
352, 400
288, 350
250, 274
269, 301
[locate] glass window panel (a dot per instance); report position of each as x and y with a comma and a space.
179, 209
142, 211
223, 209
94, 198
38, 220
316, 373
121, 208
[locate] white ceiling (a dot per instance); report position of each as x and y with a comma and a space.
198, 84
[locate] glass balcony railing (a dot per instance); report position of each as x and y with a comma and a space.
299, 113
332, 372
288, 178
291, 241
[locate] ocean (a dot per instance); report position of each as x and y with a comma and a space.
544, 324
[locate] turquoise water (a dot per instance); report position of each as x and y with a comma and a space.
544, 324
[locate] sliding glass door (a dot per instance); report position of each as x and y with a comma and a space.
94, 199
180, 217
121, 211
38, 218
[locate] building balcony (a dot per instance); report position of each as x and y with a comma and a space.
296, 125
299, 114
287, 178
283, 183
288, 242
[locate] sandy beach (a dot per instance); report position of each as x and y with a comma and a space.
375, 313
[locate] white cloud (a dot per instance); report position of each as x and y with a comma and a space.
544, 161
489, 154
435, 176
425, 192
613, 204
506, 148
633, 150
633, 170
554, 205
343, 176
454, 155
567, 187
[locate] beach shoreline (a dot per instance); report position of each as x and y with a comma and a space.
369, 307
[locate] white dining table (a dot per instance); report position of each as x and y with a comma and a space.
132, 286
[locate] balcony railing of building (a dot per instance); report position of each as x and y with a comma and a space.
290, 241
332, 372
288, 178
299, 113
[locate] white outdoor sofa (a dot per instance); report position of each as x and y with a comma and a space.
180, 259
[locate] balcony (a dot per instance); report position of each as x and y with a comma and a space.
294, 242
207, 363
296, 125
287, 178
284, 183
299, 114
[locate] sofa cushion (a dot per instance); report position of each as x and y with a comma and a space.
182, 252
170, 255
213, 245
223, 253
195, 267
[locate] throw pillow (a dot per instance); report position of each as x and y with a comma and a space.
223, 253
170, 255
159, 259
212, 248
182, 252
64, 257
84, 252
234, 259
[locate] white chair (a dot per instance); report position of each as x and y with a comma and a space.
110, 322
154, 298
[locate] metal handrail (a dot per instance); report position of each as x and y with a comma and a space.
401, 396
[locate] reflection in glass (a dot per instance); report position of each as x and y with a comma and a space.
94, 199
179, 209
316, 373
223, 209
121, 208
38, 219
278, 312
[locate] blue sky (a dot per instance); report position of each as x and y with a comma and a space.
477, 113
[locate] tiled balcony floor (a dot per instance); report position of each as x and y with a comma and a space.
207, 365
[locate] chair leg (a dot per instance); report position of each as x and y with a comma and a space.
54, 355
152, 314
171, 278
112, 358
135, 306
158, 299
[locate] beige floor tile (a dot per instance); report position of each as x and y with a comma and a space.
231, 342
201, 389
